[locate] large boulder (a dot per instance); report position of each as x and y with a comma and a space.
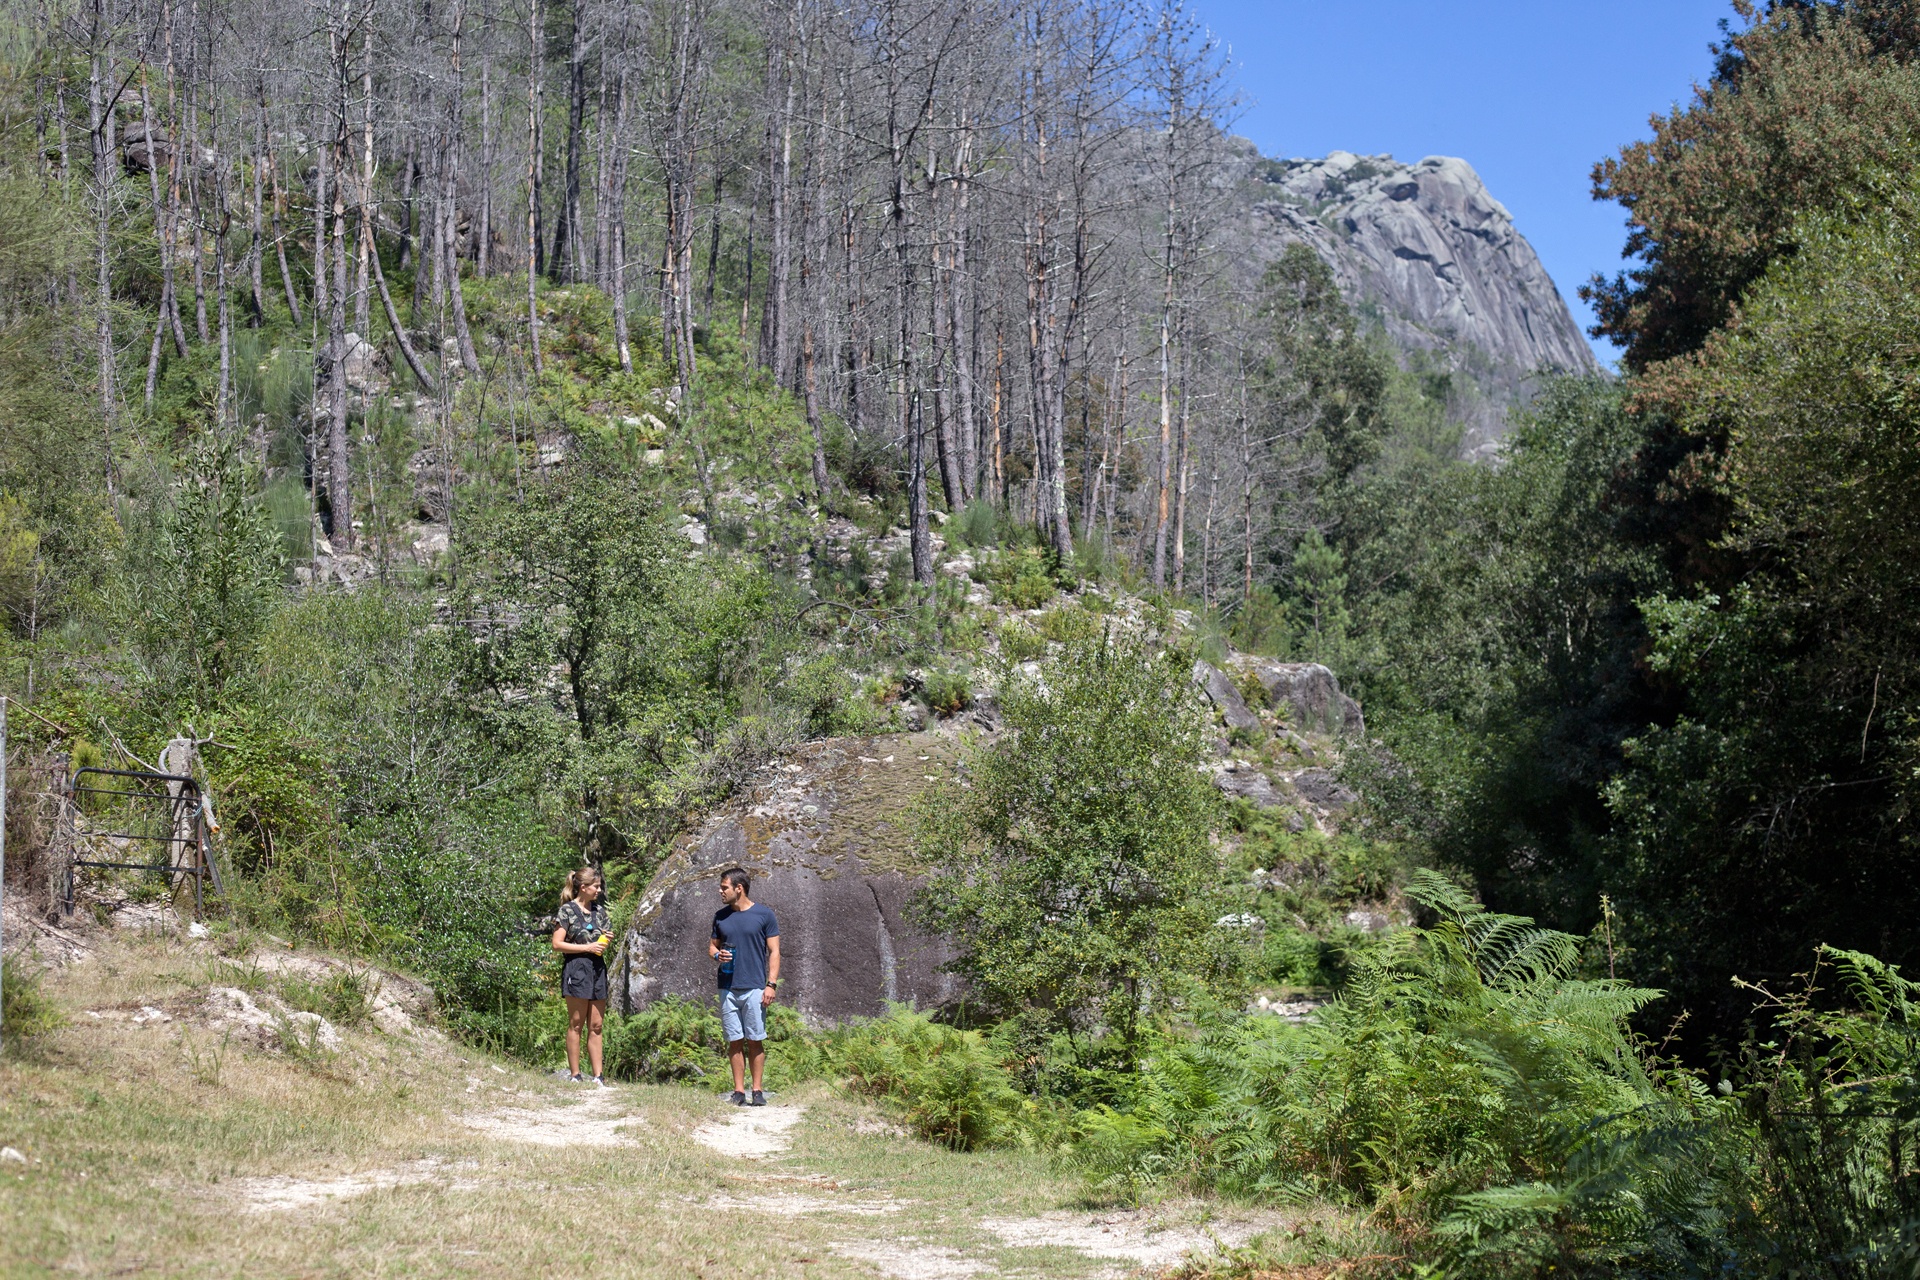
825, 833
1306, 694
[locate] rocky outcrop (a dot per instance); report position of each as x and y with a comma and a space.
1306, 695
1429, 251
826, 832
826, 836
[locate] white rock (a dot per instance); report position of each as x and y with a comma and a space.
9, 1155
231, 1004
316, 1030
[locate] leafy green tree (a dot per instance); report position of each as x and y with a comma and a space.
1805, 104
204, 579
1319, 376
1495, 643
1320, 583
611, 661
1775, 812
1068, 864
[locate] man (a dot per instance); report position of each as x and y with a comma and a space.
746, 945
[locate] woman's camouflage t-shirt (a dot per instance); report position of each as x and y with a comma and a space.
583, 926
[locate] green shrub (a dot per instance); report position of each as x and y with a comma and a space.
1465, 1083
963, 633
1118, 1152
948, 692
680, 1040
1264, 624
945, 1081
1020, 642
1295, 958
1068, 624
670, 1039
1019, 576
25, 1008
977, 525
1028, 591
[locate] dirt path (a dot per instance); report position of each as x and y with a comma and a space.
893, 1236
752, 1133
594, 1118
877, 1232
161, 1113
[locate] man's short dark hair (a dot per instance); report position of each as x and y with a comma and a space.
737, 877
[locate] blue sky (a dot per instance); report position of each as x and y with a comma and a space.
1530, 94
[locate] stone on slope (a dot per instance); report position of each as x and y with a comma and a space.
1306, 694
1225, 698
1239, 780
825, 833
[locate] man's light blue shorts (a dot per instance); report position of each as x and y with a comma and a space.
741, 1017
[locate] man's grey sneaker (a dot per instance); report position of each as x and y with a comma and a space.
739, 1098
759, 1099
576, 1078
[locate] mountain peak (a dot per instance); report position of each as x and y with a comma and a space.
1427, 250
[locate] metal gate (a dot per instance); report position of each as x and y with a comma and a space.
164, 811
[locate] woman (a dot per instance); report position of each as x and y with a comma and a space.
581, 936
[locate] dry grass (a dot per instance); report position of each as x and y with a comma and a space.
168, 1148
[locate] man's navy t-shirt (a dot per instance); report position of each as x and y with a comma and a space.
745, 933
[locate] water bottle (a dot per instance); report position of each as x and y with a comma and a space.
726, 968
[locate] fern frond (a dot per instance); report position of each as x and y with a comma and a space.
1440, 895
1876, 985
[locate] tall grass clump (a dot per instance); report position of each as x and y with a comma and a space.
25, 1008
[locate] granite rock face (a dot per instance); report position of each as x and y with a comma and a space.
824, 832
1226, 699
1306, 694
1429, 251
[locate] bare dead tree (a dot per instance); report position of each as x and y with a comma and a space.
536, 42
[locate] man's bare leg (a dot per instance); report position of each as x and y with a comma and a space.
738, 1052
757, 1055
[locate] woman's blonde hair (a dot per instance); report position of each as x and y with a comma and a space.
578, 880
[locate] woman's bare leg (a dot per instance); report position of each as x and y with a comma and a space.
576, 1014
598, 1011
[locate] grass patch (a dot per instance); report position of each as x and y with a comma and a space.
25, 1009
151, 1150
343, 997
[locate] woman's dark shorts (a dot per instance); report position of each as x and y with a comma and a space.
584, 978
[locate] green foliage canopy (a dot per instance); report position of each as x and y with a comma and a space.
1775, 812
1069, 863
